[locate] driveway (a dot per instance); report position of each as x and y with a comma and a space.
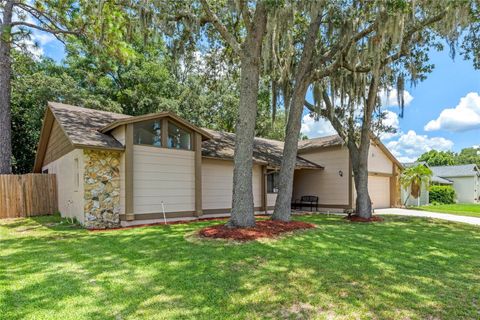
426, 214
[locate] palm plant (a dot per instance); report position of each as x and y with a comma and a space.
415, 178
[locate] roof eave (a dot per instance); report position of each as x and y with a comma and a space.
387, 152
86, 146
47, 125
150, 116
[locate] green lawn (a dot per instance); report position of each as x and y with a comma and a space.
461, 209
403, 268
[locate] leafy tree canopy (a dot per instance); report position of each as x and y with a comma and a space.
449, 158
149, 82
438, 158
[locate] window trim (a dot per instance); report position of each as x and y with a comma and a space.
274, 190
149, 145
178, 125
164, 137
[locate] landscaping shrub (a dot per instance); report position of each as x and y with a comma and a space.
442, 194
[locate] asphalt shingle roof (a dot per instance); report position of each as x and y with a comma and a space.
267, 151
437, 179
322, 142
464, 170
83, 126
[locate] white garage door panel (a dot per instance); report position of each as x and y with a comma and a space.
379, 190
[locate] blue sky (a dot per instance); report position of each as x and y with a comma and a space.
442, 112
428, 123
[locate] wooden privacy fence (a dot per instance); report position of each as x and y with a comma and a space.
27, 195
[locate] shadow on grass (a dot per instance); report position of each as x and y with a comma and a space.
400, 268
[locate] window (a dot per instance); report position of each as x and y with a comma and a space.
178, 138
272, 182
45, 171
148, 133
76, 177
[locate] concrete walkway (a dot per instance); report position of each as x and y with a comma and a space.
426, 214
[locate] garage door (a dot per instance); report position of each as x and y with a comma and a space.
379, 190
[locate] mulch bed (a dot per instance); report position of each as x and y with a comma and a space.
262, 229
200, 219
354, 218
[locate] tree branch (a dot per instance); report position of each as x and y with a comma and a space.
53, 31
403, 50
325, 113
247, 20
227, 36
309, 45
37, 14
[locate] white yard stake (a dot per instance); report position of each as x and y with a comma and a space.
163, 209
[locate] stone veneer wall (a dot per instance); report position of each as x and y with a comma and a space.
102, 189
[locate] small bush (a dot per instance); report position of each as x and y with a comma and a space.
442, 194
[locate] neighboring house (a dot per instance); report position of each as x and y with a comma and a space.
463, 178
114, 169
408, 200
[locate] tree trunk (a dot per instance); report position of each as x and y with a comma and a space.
243, 214
283, 202
359, 155
5, 91
243, 211
359, 158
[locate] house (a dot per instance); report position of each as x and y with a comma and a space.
464, 179
424, 199
407, 199
113, 169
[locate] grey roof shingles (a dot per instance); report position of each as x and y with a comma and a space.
440, 180
83, 125
463, 170
267, 151
322, 142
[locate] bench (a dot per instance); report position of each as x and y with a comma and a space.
309, 201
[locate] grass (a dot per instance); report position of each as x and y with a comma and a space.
403, 268
460, 209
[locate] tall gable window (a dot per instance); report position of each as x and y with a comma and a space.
178, 138
148, 133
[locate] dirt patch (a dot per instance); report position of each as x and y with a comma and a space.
262, 229
354, 218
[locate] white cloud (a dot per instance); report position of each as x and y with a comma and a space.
42, 38
411, 145
389, 99
392, 121
36, 39
465, 116
321, 128
315, 129
33, 47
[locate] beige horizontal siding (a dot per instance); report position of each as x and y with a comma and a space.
163, 175
217, 183
119, 134
378, 160
70, 197
327, 184
58, 144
